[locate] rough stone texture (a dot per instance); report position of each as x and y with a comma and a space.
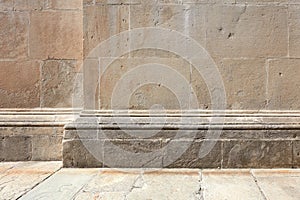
216, 185
189, 20
47, 148
246, 31
24, 176
62, 185
283, 84
245, 83
19, 84
190, 157
14, 28
257, 154
296, 153
115, 19
133, 153
294, 31
143, 94
75, 154
58, 77
59, 38
15, 148
280, 185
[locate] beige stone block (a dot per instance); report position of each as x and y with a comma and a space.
246, 31
144, 93
190, 1
284, 86
189, 20
102, 22
66, 4
294, 31
19, 84
58, 77
118, 2
258, 2
24, 5
13, 34
245, 83
60, 37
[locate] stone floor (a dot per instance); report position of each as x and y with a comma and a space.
47, 180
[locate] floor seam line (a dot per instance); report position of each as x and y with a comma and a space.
257, 185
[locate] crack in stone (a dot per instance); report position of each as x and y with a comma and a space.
199, 193
137, 184
259, 188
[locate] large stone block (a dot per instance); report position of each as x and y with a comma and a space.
14, 28
184, 153
19, 84
46, 148
145, 91
189, 20
245, 83
58, 77
56, 35
246, 31
257, 154
294, 31
102, 22
15, 148
75, 154
133, 153
283, 84
118, 2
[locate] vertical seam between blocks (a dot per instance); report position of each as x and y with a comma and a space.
257, 185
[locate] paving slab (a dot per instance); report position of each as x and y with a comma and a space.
62, 185
22, 177
279, 184
229, 184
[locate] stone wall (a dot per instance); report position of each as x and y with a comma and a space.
255, 45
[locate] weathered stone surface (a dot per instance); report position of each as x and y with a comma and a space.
245, 83
118, 2
246, 31
58, 77
278, 184
67, 4
109, 184
133, 153
30, 131
294, 31
189, 20
186, 153
6, 5
144, 91
62, 185
59, 38
47, 147
149, 184
14, 28
257, 2
19, 84
191, 1
283, 84
15, 148
217, 184
24, 176
296, 153
75, 153
97, 17
257, 154
91, 81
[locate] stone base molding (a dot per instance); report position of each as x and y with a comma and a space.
183, 139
